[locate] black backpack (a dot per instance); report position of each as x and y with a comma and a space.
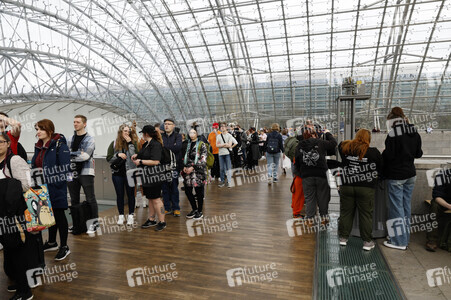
21, 152
272, 145
168, 158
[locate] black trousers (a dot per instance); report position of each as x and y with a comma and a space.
61, 226
87, 182
199, 197
215, 168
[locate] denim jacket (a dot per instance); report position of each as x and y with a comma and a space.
88, 146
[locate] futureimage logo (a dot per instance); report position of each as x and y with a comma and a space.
242, 275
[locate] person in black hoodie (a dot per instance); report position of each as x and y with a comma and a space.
402, 146
357, 180
310, 160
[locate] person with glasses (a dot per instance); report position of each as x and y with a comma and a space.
172, 141
19, 253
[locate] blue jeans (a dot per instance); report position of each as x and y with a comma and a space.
272, 161
121, 185
171, 193
400, 196
225, 165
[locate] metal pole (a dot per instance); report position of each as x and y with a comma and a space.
352, 118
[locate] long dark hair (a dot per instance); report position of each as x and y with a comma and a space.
157, 136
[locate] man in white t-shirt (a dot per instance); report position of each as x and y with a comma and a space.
225, 142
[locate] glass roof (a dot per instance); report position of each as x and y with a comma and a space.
272, 60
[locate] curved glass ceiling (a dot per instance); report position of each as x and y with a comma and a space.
207, 58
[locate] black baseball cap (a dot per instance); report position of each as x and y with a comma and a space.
169, 119
148, 129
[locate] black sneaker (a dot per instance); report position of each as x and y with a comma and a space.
149, 223
62, 253
12, 288
160, 226
50, 246
198, 215
22, 296
191, 214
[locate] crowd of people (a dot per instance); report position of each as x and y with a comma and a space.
227, 146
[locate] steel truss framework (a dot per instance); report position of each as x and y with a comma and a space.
205, 58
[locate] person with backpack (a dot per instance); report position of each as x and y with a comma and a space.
172, 141
119, 156
274, 145
13, 134
310, 160
194, 173
225, 142
361, 165
82, 146
151, 155
53, 156
19, 253
402, 146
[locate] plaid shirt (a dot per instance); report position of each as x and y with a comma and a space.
88, 146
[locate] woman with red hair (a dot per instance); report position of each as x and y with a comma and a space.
357, 179
52, 154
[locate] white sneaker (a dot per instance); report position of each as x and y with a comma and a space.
130, 220
121, 220
367, 246
92, 229
390, 245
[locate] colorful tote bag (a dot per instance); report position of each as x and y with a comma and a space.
39, 213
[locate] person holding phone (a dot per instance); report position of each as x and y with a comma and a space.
119, 156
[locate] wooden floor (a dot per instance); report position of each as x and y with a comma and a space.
201, 262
